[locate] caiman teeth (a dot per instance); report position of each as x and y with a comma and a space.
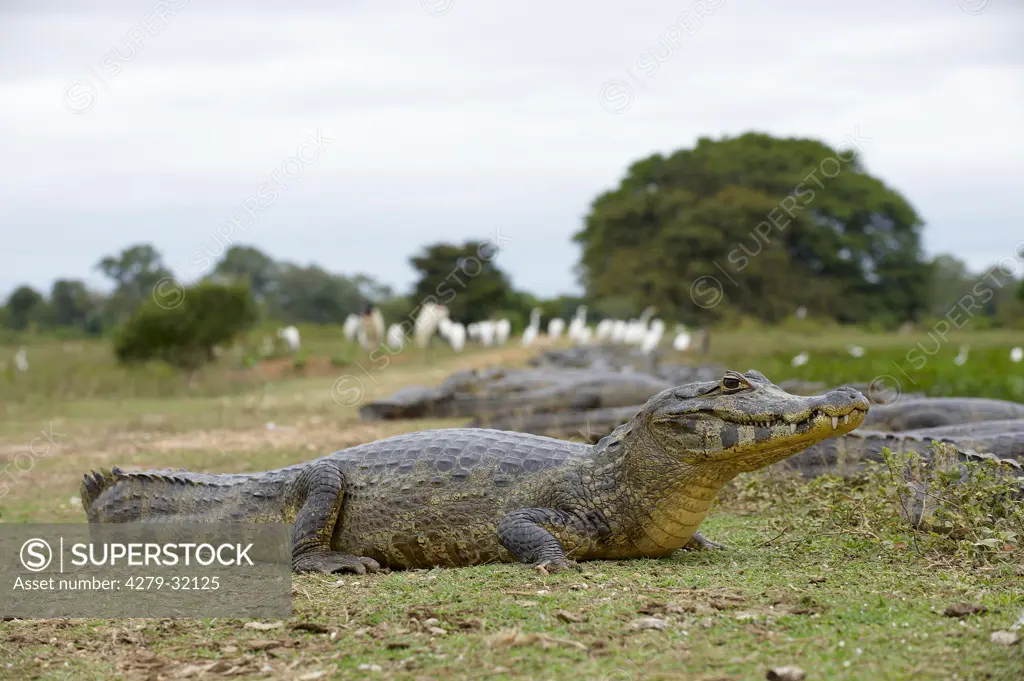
835, 422
792, 428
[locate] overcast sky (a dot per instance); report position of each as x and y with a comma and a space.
451, 119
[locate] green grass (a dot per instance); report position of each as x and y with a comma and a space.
801, 583
840, 606
79, 377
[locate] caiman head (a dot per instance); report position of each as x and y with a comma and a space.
744, 422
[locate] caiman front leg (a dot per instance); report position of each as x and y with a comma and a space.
538, 536
320, 490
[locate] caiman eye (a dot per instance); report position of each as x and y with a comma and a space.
730, 383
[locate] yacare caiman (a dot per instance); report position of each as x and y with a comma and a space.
465, 496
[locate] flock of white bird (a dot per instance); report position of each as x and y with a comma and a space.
369, 331
644, 332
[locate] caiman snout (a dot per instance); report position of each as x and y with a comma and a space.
843, 408
844, 399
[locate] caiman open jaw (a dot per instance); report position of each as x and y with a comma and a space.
745, 422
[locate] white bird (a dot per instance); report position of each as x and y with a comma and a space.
800, 359
573, 330
604, 330
555, 328
502, 330
395, 338
635, 331
290, 335
457, 336
855, 350
801, 312
683, 339
619, 329
371, 328
577, 323
531, 331
1016, 354
351, 327
473, 331
21, 360
427, 321
652, 338
961, 357
584, 335
444, 326
486, 333
529, 335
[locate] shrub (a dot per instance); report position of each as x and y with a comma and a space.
185, 335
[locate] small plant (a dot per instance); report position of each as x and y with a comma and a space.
932, 503
971, 507
301, 360
942, 505
339, 360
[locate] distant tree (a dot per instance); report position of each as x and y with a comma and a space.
464, 278
293, 293
71, 304
185, 335
396, 309
246, 263
950, 279
763, 226
24, 306
135, 271
371, 289
312, 294
614, 307
1020, 292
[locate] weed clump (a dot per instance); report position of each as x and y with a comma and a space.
930, 502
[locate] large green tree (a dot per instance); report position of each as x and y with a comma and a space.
463, 277
755, 225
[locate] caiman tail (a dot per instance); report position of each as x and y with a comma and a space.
117, 496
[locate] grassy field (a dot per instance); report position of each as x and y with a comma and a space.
815, 576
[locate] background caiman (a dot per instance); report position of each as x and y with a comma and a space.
932, 412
